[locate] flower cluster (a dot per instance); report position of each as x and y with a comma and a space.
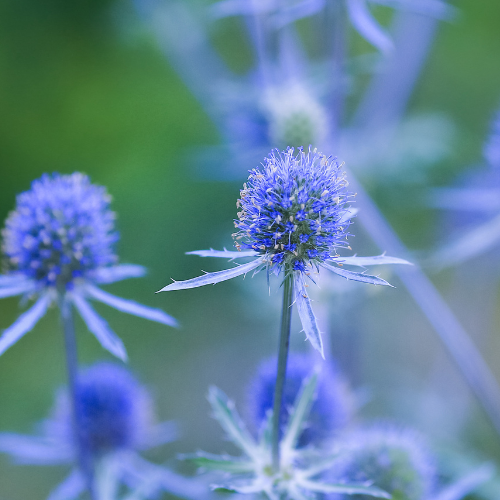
61, 230
294, 209
115, 415
293, 216
58, 244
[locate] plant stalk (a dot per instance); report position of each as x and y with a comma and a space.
284, 343
84, 460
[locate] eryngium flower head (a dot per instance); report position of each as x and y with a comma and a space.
294, 209
293, 216
329, 412
394, 459
60, 230
58, 244
116, 421
114, 411
295, 118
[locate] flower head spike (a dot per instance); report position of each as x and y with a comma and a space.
59, 243
252, 473
330, 411
117, 422
293, 216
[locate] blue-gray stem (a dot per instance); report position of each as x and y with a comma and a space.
284, 342
85, 461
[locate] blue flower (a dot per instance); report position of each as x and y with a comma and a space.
117, 421
282, 13
329, 413
394, 459
272, 197
59, 243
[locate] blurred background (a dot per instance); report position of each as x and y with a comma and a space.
85, 86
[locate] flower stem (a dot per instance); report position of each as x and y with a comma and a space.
284, 342
68, 325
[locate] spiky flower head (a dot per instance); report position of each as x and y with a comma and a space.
294, 209
114, 411
396, 460
60, 230
330, 410
295, 118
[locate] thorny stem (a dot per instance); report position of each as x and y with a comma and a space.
72, 369
284, 342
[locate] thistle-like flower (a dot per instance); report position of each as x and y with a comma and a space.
116, 422
58, 245
398, 460
294, 215
330, 411
252, 473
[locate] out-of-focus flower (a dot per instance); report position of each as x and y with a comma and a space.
58, 245
358, 11
117, 422
399, 461
330, 411
477, 203
253, 474
293, 217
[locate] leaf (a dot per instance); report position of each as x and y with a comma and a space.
209, 461
350, 275
369, 261
347, 489
212, 278
300, 411
231, 422
306, 314
224, 253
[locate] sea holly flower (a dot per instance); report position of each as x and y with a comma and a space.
294, 214
358, 11
116, 423
330, 412
477, 202
58, 245
253, 473
398, 460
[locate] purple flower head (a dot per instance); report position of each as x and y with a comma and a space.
62, 229
270, 203
114, 411
116, 421
59, 244
394, 459
331, 408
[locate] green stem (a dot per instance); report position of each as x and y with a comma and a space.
284, 342
85, 461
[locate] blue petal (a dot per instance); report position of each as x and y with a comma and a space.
107, 338
24, 323
130, 306
365, 278
33, 450
224, 253
306, 314
72, 487
467, 483
369, 261
16, 289
11, 279
212, 278
118, 273
366, 25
